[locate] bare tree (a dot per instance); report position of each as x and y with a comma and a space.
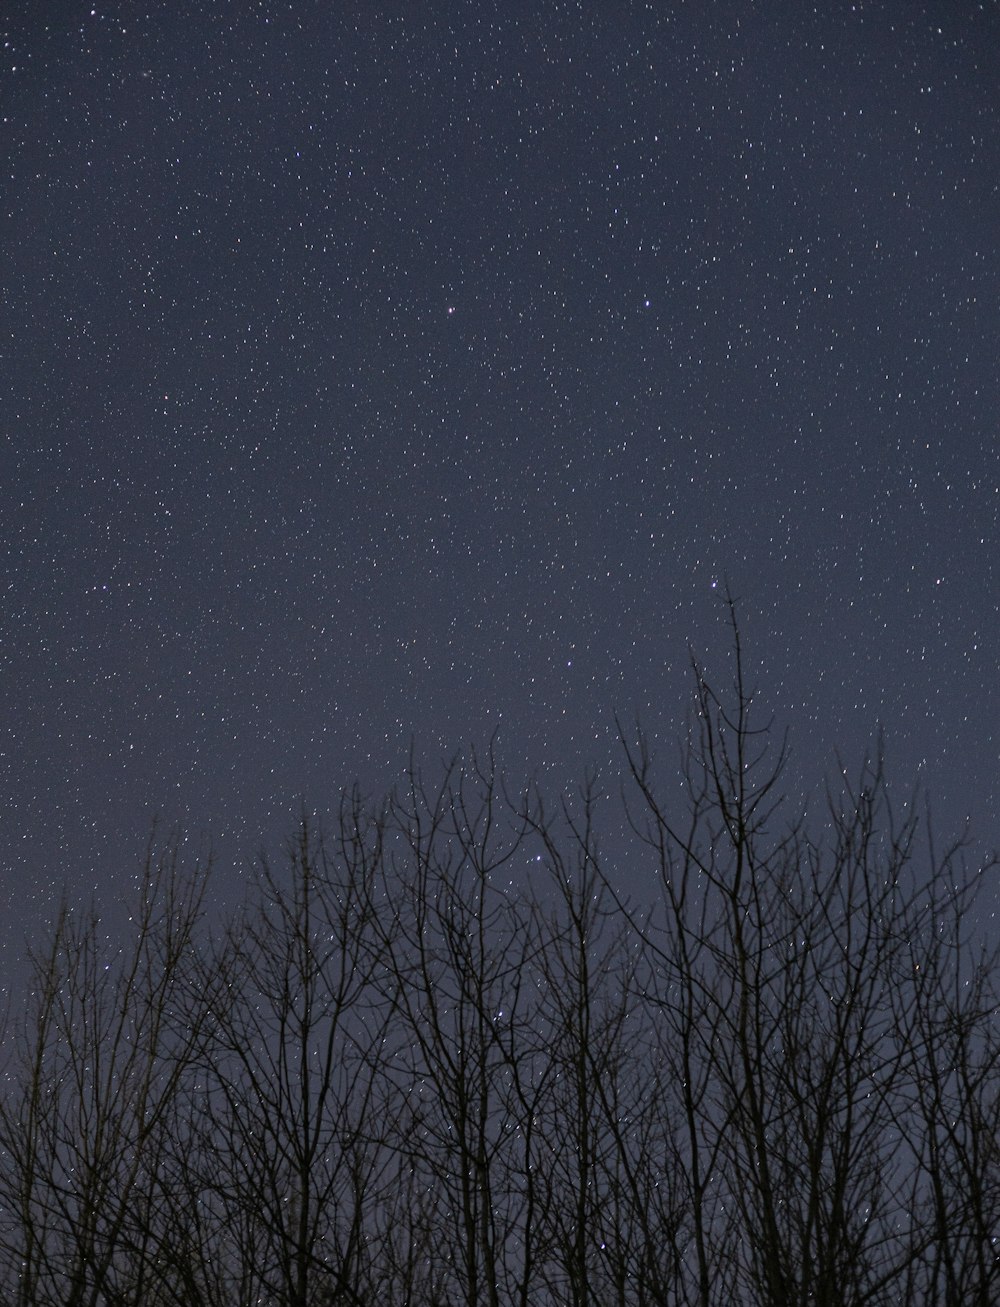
950, 1035
611, 1205
784, 966
99, 1058
442, 1058
289, 1116
455, 981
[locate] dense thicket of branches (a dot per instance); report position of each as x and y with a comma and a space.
440, 1059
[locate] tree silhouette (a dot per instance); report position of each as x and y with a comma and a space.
442, 1057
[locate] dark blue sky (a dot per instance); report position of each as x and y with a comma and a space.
387, 373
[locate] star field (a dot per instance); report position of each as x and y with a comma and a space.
374, 377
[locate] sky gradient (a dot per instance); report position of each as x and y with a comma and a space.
377, 375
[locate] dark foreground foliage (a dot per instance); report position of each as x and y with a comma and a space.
440, 1059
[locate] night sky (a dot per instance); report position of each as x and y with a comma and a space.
376, 375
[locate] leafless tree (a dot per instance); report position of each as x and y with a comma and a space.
788, 965
289, 1116
611, 1202
106, 1040
951, 1036
457, 955
442, 1057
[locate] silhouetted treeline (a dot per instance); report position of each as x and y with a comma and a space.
441, 1059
